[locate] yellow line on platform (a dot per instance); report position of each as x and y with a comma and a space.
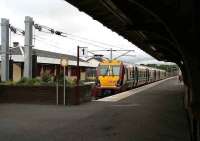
120, 96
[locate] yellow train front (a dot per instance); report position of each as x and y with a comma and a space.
109, 77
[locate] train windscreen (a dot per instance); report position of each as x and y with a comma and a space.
109, 70
115, 70
103, 70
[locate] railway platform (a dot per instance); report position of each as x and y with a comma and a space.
151, 113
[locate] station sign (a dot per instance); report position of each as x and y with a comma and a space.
83, 51
64, 62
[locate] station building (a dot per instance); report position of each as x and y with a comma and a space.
46, 62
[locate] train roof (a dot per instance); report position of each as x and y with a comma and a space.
118, 62
143, 67
151, 68
110, 62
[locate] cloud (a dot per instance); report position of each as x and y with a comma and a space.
60, 15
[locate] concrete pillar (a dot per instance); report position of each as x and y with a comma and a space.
28, 47
4, 49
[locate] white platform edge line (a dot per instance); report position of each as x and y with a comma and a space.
123, 95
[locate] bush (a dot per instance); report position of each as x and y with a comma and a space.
46, 77
22, 81
72, 82
9, 82
69, 81
26, 81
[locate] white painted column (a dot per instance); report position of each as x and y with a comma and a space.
28, 47
4, 49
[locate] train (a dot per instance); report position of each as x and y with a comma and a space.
113, 76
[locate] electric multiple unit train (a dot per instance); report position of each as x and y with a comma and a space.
115, 76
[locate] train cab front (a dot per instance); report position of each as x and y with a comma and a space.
108, 79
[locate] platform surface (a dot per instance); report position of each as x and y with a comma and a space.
151, 114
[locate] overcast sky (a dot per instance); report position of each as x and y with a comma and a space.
62, 16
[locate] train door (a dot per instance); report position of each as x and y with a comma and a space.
133, 76
124, 87
122, 75
150, 76
136, 76
154, 75
158, 75
147, 76
127, 73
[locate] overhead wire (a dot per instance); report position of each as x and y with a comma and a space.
86, 40
63, 34
46, 42
50, 44
70, 36
16, 30
42, 39
90, 40
89, 43
45, 39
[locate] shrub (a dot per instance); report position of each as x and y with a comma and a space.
46, 77
71, 82
26, 81
22, 81
35, 81
9, 82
